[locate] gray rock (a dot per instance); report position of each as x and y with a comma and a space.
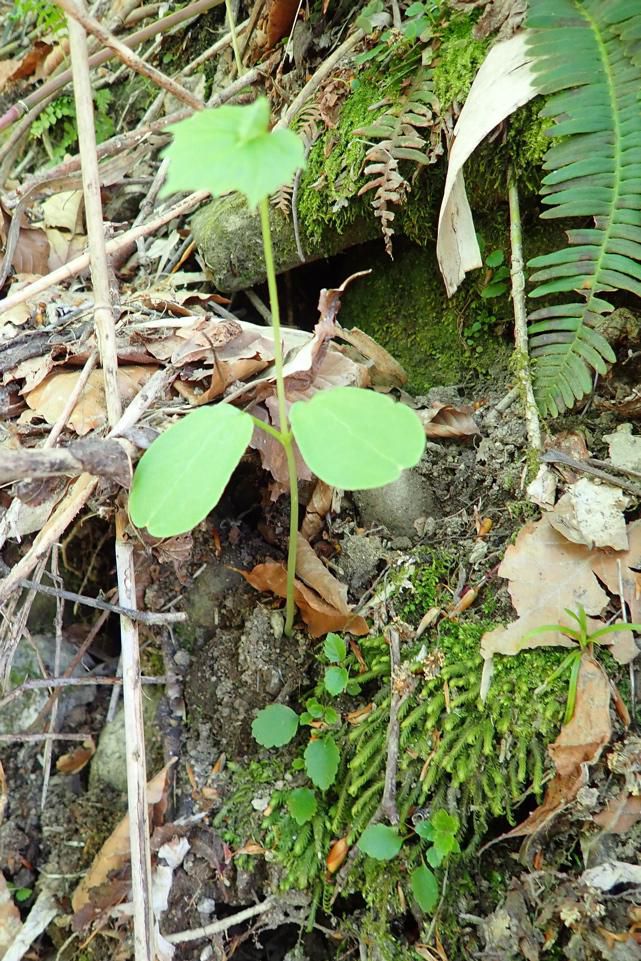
359, 557
16, 716
397, 506
108, 763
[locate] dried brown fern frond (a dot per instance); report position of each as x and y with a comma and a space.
398, 139
309, 125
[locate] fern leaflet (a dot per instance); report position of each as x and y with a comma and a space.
587, 57
397, 138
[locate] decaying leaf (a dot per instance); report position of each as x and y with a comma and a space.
446, 420
115, 851
625, 448
10, 923
280, 20
548, 573
49, 398
592, 514
318, 507
504, 82
76, 760
578, 745
319, 616
311, 570
620, 813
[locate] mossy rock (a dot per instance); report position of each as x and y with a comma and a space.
229, 238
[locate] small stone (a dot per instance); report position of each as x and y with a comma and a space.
397, 506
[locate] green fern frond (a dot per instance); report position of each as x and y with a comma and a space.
587, 57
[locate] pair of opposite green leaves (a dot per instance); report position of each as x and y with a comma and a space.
351, 438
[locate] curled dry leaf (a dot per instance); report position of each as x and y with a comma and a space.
115, 851
49, 398
280, 20
318, 507
592, 514
319, 616
337, 854
384, 370
313, 572
578, 745
76, 760
445, 420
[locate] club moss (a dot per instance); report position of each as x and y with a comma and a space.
477, 760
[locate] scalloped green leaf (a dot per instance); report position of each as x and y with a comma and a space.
182, 476
356, 439
275, 725
302, 804
231, 148
336, 679
321, 761
335, 648
381, 842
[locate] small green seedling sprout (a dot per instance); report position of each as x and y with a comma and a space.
572, 663
350, 438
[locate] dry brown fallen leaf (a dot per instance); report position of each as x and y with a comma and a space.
280, 20
445, 420
115, 851
620, 813
10, 923
49, 398
592, 514
548, 574
578, 745
76, 760
313, 572
319, 616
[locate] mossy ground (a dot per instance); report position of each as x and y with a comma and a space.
480, 761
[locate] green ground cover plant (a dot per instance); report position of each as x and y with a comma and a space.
183, 474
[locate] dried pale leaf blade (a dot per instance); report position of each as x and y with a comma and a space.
231, 148
115, 851
10, 923
185, 471
547, 574
592, 514
624, 447
356, 439
504, 82
319, 616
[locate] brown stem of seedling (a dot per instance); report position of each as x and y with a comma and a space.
284, 435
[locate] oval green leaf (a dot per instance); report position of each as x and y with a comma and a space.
380, 842
231, 148
424, 888
356, 439
302, 804
321, 762
275, 725
336, 679
185, 471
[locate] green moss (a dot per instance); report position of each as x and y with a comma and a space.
402, 304
457, 60
455, 752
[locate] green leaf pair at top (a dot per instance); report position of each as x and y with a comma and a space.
350, 438
383, 843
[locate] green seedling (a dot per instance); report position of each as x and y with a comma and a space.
349, 437
572, 663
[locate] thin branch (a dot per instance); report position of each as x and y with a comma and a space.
40, 683
218, 927
402, 687
127, 56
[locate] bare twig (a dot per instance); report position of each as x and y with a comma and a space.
120, 243
324, 71
585, 467
47, 737
38, 683
218, 927
402, 687
46, 758
52, 86
104, 458
127, 56
139, 834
